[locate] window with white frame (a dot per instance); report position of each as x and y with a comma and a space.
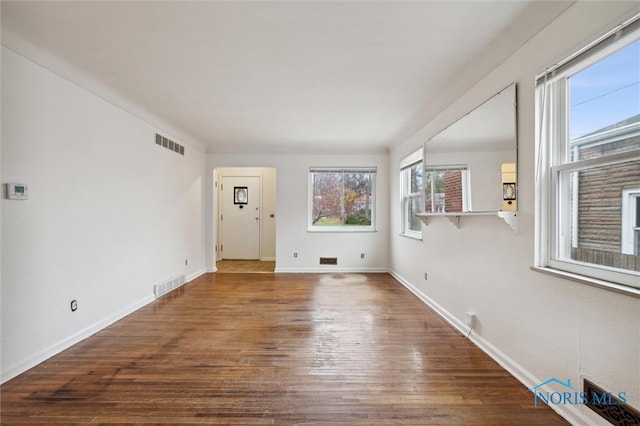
588, 161
342, 199
447, 188
411, 187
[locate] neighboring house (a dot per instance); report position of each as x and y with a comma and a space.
606, 222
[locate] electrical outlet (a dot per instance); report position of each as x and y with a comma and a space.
186, 262
471, 320
295, 254
74, 305
425, 276
361, 255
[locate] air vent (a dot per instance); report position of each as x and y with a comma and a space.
609, 407
169, 144
168, 286
328, 260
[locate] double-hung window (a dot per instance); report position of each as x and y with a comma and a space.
411, 187
588, 162
342, 199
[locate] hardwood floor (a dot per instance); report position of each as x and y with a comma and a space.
245, 266
282, 349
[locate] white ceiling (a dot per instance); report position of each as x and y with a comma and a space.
276, 76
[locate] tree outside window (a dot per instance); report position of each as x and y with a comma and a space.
341, 198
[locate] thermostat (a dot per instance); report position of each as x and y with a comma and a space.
17, 191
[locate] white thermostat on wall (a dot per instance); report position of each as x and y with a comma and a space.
17, 191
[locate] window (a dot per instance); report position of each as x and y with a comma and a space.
588, 162
342, 199
447, 189
411, 188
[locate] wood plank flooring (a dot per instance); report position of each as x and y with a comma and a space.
280, 349
245, 266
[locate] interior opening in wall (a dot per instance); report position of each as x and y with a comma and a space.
245, 219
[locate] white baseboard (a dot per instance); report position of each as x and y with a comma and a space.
66, 343
195, 275
569, 412
325, 270
268, 259
210, 270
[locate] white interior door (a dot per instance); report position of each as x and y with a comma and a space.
240, 217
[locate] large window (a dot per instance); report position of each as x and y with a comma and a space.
588, 165
411, 187
342, 199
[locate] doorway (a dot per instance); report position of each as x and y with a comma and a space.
245, 222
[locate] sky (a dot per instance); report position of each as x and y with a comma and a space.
606, 92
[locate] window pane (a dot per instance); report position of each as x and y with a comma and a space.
327, 199
591, 230
415, 206
434, 191
416, 178
605, 105
357, 199
342, 198
445, 190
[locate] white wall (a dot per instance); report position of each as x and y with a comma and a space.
292, 173
536, 325
110, 213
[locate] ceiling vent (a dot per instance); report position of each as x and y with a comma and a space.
169, 144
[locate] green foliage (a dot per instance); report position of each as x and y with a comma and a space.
363, 217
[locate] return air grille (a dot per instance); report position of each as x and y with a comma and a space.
168, 286
609, 407
169, 144
328, 260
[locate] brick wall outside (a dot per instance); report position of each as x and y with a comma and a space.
453, 191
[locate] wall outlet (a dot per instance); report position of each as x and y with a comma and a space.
295, 254
426, 276
471, 320
74, 305
186, 262
361, 255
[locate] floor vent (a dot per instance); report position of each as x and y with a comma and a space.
328, 260
169, 144
167, 286
609, 407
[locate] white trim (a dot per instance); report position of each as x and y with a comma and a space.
67, 342
628, 220
268, 259
330, 270
606, 285
195, 275
412, 159
569, 412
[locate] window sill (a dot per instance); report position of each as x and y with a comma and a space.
413, 237
338, 230
605, 285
